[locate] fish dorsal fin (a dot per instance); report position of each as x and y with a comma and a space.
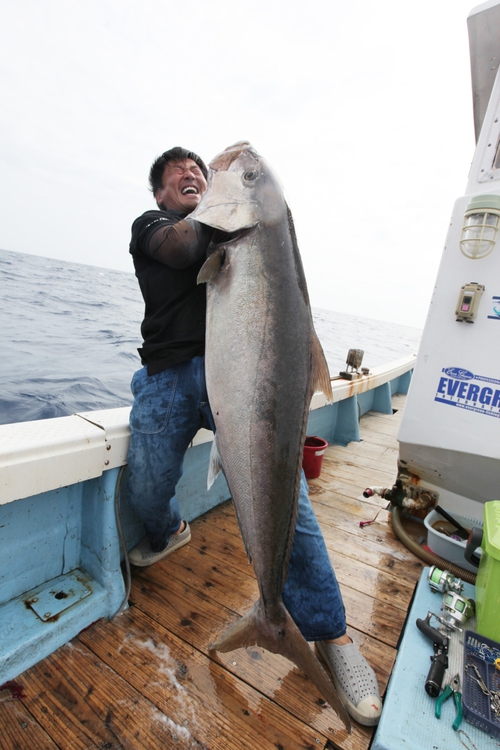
211, 266
215, 464
321, 374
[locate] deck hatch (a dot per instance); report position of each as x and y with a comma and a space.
58, 595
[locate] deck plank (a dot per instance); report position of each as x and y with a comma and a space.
376, 542
84, 704
148, 679
19, 730
217, 708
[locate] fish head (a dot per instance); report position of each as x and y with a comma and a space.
242, 191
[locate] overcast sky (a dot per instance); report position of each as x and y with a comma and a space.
363, 108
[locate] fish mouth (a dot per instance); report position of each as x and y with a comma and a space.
220, 237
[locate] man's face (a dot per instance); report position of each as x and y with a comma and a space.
183, 184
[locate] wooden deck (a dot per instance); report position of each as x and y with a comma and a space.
148, 680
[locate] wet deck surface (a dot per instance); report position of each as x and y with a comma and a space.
148, 680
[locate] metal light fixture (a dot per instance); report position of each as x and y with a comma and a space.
480, 228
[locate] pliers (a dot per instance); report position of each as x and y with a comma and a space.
452, 688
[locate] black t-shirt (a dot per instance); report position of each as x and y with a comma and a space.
173, 328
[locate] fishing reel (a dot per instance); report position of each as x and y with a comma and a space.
443, 581
455, 609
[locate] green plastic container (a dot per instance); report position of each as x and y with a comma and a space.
488, 575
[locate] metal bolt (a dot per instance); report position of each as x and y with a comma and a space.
106, 463
108, 447
48, 614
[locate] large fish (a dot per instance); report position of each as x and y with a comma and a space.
263, 364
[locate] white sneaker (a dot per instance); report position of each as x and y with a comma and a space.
355, 681
142, 555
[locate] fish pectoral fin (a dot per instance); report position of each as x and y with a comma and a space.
215, 464
211, 267
321, 374
282, 637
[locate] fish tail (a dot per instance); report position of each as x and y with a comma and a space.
243, 633
282, 637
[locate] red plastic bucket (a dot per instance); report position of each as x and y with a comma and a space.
314, 450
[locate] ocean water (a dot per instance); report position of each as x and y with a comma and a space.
70, 333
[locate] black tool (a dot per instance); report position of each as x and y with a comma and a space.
439, 659
474, 541
461, 532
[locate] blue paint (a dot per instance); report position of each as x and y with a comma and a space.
323, 422
26, 639
382, 399
401, 384
338, 423
41, 538
347, 428
378, 399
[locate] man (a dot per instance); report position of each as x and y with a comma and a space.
170, 399
171, 404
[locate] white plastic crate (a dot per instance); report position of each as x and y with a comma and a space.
450, 549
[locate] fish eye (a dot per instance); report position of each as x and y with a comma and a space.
251, 175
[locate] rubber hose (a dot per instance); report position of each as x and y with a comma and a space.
128, 577
425, 555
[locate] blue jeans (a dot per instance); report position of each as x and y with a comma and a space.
168, 410
311, 593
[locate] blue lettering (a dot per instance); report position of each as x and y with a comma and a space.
485, 396
441, 386
461, 390
473, 392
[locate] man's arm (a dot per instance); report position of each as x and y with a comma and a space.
180, 245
